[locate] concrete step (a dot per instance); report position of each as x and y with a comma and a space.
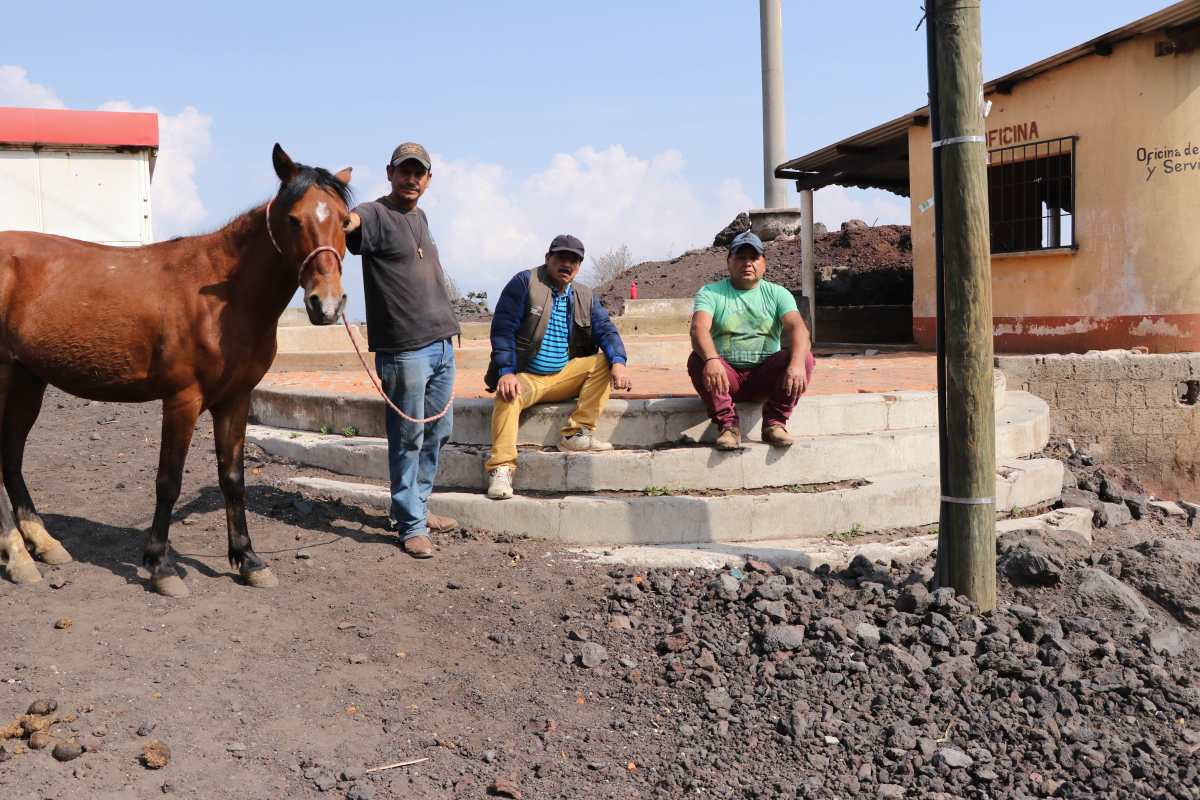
625, 423
896, 500
1074, 524
1022, 428
647, 351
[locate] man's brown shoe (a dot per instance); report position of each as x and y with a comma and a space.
419, 547
729, 439
777, 436
441, 524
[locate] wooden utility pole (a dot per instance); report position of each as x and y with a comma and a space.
967, 533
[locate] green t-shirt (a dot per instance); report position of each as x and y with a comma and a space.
746, 324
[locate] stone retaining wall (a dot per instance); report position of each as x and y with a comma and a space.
1136, 410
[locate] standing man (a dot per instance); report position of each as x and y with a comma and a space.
409, 327
551, 340
737, 353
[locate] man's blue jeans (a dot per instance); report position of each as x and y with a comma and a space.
419, 382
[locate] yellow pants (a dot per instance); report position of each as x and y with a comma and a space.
586, 377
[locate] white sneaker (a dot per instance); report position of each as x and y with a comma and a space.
500, 483
582, 441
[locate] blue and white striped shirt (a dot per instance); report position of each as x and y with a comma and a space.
552, 356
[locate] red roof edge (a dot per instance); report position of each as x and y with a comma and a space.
49, 126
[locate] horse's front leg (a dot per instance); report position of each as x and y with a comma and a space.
179, 419
229, 433
13, 556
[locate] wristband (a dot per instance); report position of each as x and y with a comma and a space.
713, 358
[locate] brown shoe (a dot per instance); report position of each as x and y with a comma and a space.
441, 524
729, 439
419, 547
777, 436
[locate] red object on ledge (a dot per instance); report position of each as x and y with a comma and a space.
633, 290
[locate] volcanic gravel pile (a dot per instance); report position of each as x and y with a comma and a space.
1082, 683
858, 265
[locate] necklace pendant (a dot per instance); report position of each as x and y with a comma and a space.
420, 253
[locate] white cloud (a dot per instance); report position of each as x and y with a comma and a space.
490, 224
833, 205
184, 138
17, 90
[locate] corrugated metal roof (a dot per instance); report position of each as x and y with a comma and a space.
835, 163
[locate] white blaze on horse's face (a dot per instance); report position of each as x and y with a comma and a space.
318, 224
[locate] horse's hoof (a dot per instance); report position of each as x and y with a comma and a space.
171, 586
25, 572
261, 578
54, 555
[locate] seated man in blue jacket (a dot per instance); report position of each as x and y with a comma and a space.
551, 340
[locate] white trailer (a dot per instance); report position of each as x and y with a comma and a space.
83, 174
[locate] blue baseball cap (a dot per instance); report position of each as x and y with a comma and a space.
746, 237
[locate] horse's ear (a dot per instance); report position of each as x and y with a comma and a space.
344, 175
285, 168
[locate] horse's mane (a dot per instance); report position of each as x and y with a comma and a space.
305, 178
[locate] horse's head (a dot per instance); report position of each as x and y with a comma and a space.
305, 221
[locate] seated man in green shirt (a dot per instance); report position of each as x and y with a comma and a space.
736, 350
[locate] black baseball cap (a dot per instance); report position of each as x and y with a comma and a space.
568, 243
410, 150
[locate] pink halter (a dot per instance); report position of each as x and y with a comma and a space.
322, 249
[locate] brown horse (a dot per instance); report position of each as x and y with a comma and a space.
190, 322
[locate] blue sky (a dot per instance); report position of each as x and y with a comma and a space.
624, 122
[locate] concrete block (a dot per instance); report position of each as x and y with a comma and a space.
534, 517
1146, 367
1128, 449
461, 468
698, 467
1073, 396
1113, 364
911, 410
283, 408
628, 470
1161, 394
1057, 367
1160, 449
362, 414
472, 422
659, 307
798, 515
365, 493
850, 413
1168, 507
1019, 369
1148, 421
1113, 422
1130, 394
1085, 368
1047, 390
539, 471
1027, 483
1100, 395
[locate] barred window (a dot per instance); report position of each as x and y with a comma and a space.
1031, 196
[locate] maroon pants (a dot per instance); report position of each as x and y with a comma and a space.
761, 384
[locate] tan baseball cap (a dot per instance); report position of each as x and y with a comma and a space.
410, 150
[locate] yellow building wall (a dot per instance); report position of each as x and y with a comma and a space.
1135, 278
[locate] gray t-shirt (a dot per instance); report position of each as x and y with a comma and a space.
405, 293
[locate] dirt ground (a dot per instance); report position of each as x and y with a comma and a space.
363, 657
252, 688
